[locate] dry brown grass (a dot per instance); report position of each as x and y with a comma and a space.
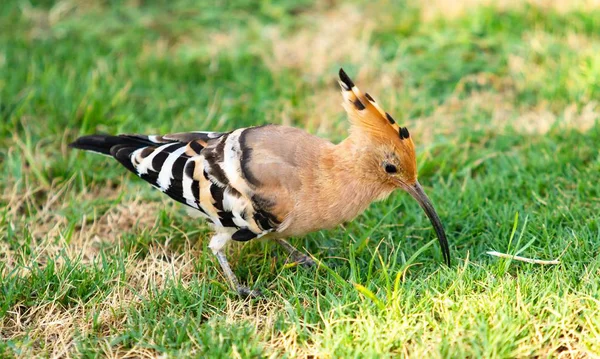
55, 327
335, 36
39, 210
503, 113
342, 35
432, 9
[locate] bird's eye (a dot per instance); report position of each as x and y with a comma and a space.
391, 169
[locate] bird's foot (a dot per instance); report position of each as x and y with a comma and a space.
246, 292
296, 257
301, 259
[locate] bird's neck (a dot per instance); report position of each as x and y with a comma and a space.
347, 183
339, 186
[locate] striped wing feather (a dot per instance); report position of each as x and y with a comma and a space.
205, 171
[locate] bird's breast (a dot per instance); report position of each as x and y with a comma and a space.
328, 204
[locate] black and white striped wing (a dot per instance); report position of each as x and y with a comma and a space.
203, 171
161, 161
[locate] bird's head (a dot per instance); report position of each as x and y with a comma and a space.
389, 150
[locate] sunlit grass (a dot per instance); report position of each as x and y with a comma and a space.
500, 100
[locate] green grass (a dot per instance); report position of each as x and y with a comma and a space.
500, 103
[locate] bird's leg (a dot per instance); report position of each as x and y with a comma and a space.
295, 255
217, 242
243, 291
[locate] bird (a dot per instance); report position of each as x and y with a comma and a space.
275, 181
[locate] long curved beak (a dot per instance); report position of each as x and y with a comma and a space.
416, 191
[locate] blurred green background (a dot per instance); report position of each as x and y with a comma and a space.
500, 98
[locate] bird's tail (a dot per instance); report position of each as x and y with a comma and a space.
104, 143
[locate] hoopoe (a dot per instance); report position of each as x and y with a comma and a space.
276, 181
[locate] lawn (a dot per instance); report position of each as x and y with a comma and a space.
501, 99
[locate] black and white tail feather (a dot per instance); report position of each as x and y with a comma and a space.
202, 170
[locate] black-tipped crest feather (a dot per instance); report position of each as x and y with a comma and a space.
345, 79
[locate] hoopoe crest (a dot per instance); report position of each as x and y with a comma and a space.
276, 181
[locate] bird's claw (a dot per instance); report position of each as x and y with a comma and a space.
246, 292
301, 259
